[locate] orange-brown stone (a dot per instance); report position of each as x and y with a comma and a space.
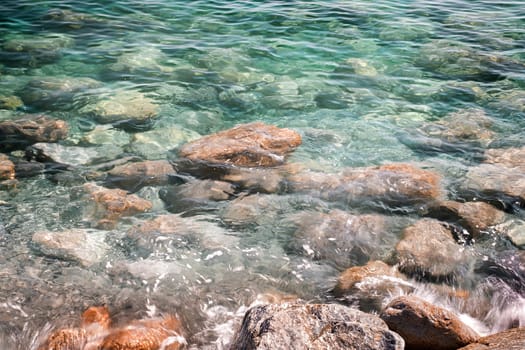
7, 168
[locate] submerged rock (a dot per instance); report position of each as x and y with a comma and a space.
34, 51
71, 19
145, 59
7, 168
371, 284
475, 217
342, 238
20, 133
155, 144
428, 250
255, 144
315, 326
55, 92
109, 205
10, 102
70, 155
512, 339
426, 326
133, 176
391, 184
84, 246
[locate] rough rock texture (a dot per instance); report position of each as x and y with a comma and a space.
426, 326
148, 334
500, 179
391, 184
84, 246
268, 180
33, 51
371, 284
94, 324
155, 144
111, 204
195, 195
342, 238
71, 155
18, 134
475, 217
10, 102
7, 168
512, 339
428, 250
316, 326
248, 145
251, 209
133, 176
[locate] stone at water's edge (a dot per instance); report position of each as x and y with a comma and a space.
428, 250
7, 168
313, 327
248, 145
109, 205
475, 217
30, 129
512, 339
133, 176
426, 326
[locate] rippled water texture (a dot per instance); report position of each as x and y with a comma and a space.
431, 83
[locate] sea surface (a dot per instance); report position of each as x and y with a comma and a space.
365, 83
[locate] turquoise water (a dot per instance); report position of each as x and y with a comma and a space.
357, 79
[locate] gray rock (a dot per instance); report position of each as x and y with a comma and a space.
73, 155
155, 144
315, 326
34, 51
84, 246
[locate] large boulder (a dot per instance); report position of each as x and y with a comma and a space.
426, 326
20, 133
107, 206
428, 250
247, 145
390, 184
84, 246
512, 339
499, 179
475, 217
133, 176
316, 326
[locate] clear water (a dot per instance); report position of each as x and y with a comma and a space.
209, 65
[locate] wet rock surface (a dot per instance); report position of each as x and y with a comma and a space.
7, 168
22, 132
254, 144
314, 326
512, 339
428, 250
426, 326
133, 176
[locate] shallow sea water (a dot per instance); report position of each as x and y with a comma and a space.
354, 78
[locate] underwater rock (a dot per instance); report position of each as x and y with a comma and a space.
511, 339
68, 19
106, 135
251, 209
7, 168
371, 284
499, 180
360, 66
10, 102
34, 51
426, 326
475, 217
22, 132
390, 184
144, 59
84, 246
196, 195
55, 92
70, 155
133, 176
262, 180
147, 334
343, 238
95, 324
428, 250
255, 144
155, 144
123, 107
313, 326
109, 205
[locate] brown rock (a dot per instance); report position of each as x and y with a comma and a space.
248, 145
428, 249
246, 210
95, 323
31, 129
257, 179
112, 204
512, 339
426, 326
475, 217
508, 157
133, 176
394, 184
7, 168
149, 334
